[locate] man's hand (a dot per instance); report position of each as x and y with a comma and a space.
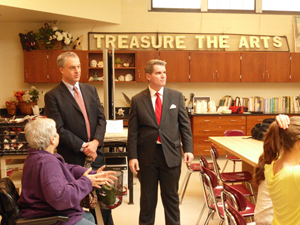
134, 165
283, 121
188, 157
90, 149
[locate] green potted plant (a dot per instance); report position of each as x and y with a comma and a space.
118, 62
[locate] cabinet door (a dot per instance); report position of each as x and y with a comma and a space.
253, 120
277, 66
177, 65
202, 67
253, 67
227, 66
295, 68
35, 66
84, 62
54, 73
142, 57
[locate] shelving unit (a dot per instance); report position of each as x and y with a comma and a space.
12, 139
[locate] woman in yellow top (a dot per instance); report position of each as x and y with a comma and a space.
282, 149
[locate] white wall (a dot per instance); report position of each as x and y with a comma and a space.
136, 18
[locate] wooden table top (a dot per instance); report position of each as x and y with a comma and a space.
246, 148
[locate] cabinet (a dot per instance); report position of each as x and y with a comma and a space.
177, 65
214, 67
142, 57
265, 67
205, 126
295, 68
40, 66
253, 120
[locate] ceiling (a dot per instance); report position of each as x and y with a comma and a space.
19, 15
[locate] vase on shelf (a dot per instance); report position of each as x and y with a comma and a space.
26, 107
11, 108
57, 45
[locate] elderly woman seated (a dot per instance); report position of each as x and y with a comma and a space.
49, 185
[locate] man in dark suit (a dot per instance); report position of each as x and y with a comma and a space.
154, 143
81, 130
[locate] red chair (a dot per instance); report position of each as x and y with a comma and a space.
217, 189
209, 181
235, 206
233, 177
232, 158
193, 167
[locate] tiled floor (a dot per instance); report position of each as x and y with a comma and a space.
189, 209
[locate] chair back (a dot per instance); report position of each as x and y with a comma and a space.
233, 216
9, 209
203, 161
233, 201
215, 155
234, 133
236, 198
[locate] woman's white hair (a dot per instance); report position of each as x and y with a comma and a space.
39, 132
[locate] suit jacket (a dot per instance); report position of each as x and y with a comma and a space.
61, 106
143, 129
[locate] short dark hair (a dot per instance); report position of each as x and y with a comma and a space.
149, 65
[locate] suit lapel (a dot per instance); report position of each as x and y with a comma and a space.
166, 103
148, 104
67, 95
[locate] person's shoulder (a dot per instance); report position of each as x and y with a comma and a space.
141, 94
56, 89
172, 91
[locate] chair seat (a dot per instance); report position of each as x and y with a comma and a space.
236, 176
248, 212
233, 158
242, 188
195, 166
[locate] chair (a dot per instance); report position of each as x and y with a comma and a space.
232, 158
233, 177
235, 205
209, 181
193, 167
217, 189
9, 209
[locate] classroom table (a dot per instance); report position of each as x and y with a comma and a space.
244, 147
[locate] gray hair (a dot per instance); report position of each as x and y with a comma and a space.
62, 58
39, 132
150, 64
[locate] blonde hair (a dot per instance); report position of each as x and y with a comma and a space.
39, 132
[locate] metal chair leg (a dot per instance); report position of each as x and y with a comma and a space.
210, 213
182, 185
224, 166
201, 213
186, 184
233, 166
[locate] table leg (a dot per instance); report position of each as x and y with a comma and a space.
130, 185
3, 167
250, 169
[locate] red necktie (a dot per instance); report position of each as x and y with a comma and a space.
158, 108
81, 105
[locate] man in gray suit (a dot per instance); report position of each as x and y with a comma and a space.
154, 143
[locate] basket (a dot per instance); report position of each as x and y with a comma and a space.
58, 45
11, 108
25, 107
